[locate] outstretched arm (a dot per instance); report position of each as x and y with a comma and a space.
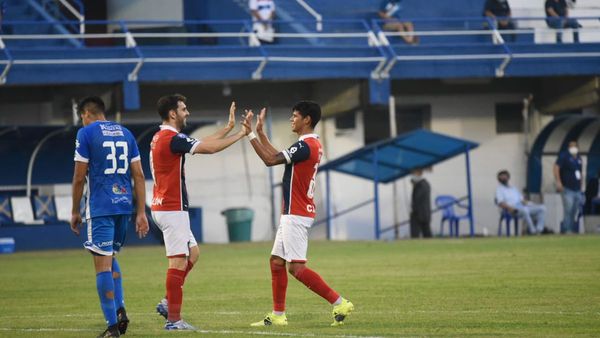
264, 152
223, 132
79, 174
262, 136
216, 145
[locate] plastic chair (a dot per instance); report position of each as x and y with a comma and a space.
508, 217
446, 204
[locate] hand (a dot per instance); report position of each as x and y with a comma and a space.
231, 122
261, 120
247, 122
75, 222
559, 187
141, 224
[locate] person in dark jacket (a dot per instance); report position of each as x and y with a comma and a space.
592, 196
420, 215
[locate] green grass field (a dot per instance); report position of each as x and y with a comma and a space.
533, 286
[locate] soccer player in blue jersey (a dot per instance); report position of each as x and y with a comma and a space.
107, 158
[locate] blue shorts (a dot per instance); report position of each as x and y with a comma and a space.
106, 234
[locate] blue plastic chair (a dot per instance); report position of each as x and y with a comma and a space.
44, 208
507, 218
446, 204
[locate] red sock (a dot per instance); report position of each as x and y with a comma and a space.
189, 267
279, 282
175, 280
313, 281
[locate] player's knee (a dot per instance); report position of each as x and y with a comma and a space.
295, 268
274, 260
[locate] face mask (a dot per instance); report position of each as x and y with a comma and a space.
573, 151
503, 182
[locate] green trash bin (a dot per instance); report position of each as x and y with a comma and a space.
239, 223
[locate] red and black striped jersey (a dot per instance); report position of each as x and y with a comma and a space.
303, 159
167, 160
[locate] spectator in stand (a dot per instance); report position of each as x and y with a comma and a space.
499, 13
557, 16
592, 196
263, 13
390, 12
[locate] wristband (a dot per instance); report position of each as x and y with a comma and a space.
251, 136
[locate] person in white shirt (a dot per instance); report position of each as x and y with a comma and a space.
263, 13
510, 199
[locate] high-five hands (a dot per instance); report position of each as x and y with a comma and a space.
261, 120
247, 122
231, 122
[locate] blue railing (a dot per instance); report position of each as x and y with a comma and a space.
339, 41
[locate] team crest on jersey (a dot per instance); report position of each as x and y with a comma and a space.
118, 190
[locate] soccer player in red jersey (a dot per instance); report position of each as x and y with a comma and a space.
170, 201
298, 212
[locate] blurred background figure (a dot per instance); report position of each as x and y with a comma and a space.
557, 16
263, 14
390, 11
495, 9
420, 214
568, 175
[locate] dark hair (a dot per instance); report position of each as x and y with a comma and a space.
503, 172
309, 108
167, 103
93, 104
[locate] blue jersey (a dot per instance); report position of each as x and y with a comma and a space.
109, 149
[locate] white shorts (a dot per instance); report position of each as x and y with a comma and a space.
291, 241
177, 233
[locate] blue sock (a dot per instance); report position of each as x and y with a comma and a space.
106, 291
116, 274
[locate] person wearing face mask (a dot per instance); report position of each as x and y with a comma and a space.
510, 199
420, 214
569, 175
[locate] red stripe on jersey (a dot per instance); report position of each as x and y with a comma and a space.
167, 172
303, 181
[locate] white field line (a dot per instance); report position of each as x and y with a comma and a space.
400, 312
223, 332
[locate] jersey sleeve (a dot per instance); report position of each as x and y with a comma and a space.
181, 144
134, 155
82, 149
298, 152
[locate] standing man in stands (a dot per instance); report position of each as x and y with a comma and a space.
420, 212
107, 157
170, 200
301, 162
390, 11
557, 16
263, 14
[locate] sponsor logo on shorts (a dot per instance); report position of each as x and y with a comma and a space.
107, 243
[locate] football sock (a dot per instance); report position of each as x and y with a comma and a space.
175, 280
106, 292
116, 275
313, 281
279, 282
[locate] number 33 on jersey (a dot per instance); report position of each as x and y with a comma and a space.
109, 149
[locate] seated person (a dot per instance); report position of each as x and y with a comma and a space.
500, 8
510, 199
557, 16
390, 12
592, 196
